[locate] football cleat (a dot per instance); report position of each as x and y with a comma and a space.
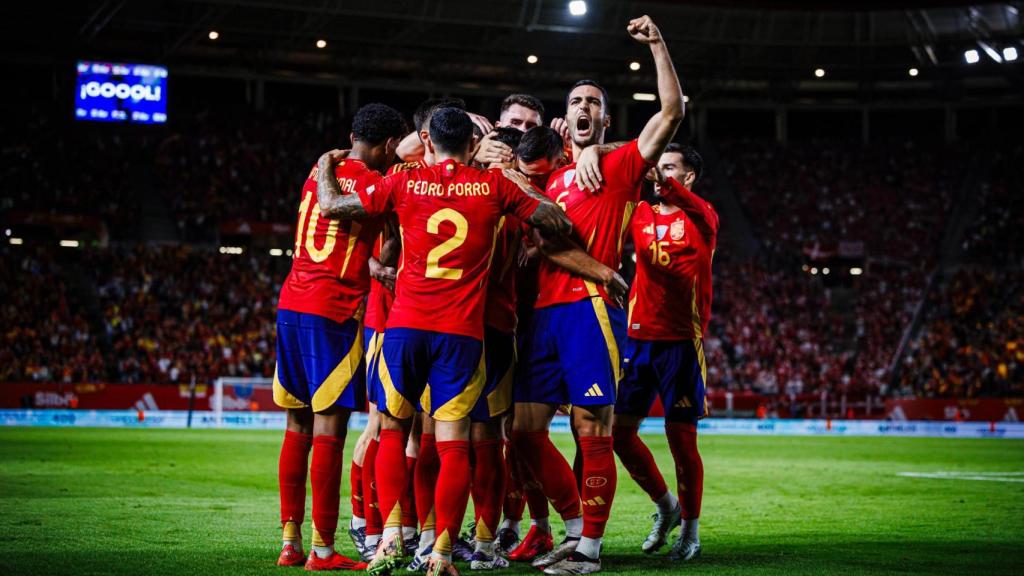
358, 536
483, 561
462, 550
411, 544
575, 563
685, 548
506, 541
564, 549
388, 556
420, 560
290, 556
663, 526
333, 562
536, 543
438, 566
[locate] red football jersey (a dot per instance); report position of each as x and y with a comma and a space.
379, 301
500, 310
448, 217
671, 294
600, 221
330, 275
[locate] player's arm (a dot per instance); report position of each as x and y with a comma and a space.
334, 204
548, 218
662, 126
411, 148
567, 254
588, 165
698, 209
383, 269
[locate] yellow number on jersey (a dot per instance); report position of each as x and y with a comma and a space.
560, 200
658, 253
315, 254
435, 270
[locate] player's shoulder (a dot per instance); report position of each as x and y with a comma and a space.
406, 166
563, 177
624, 152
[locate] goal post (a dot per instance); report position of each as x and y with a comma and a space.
252, 394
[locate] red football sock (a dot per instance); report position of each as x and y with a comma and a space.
682, 440
488, 487
638, 460
536, 501
546, 465
325, 479
514, 502
599, 480
577, 466
408, 497
355, 478
452, 492
425, 481
391, 476
371, 501
291, 476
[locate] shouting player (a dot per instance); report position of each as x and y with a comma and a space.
669, 310
319, 375
449, 216
541, 147
571, 348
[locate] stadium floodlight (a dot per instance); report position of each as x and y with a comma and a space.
644, 97
231, 250
819, 72
913, 72
686, 98
69, 243
971, 56
532, 59
321, 44
825, 271
634, 66
1010, 53
17, 241
855, 271
7, 232
214, 35
288, 252
276, 252
577, 7
633, 257
814, 271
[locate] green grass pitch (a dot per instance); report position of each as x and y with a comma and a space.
81, 501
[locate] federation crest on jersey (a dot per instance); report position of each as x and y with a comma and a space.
677, 230
568, 177
661, 229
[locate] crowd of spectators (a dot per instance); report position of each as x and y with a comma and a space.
972, 343
51, 168
164, 315
217, 167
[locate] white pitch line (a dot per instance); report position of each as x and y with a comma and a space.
986, 476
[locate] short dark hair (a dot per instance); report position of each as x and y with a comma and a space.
524, 100
690, 157
421, 117
375, 123
508, 136
451, 129
539, 142
588, 82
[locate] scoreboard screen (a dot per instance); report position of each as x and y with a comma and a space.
130, 93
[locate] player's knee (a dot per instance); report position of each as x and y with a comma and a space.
593, 420
300, 420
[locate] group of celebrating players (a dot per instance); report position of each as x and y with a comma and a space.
468, 296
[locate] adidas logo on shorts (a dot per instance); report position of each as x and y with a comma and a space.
594, 391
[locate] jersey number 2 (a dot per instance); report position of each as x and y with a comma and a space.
434, 269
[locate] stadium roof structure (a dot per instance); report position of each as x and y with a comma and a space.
738, 49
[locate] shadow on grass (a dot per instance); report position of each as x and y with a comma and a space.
859, 557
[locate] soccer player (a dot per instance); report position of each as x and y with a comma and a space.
541, 148
319, 377
571, 348
449, 218
669, 310
520, 111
